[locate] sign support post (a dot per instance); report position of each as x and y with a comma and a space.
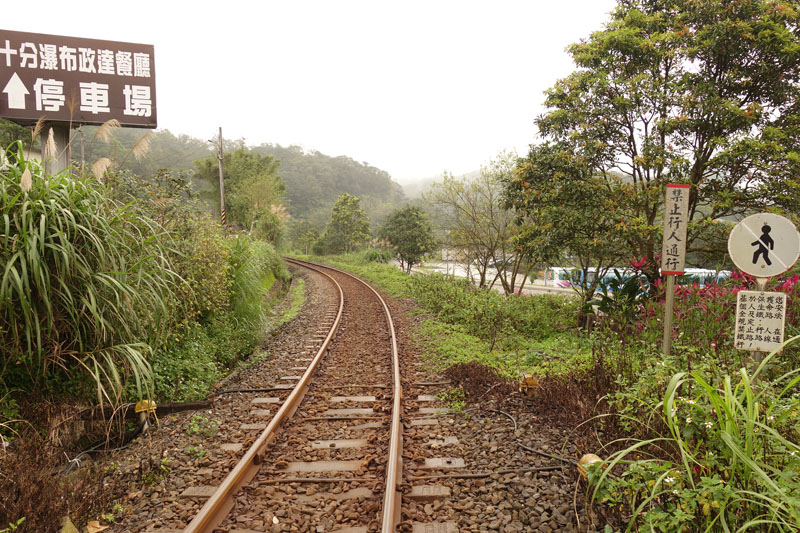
761, 286
673, 250
669, 305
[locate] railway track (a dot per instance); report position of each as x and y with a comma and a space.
326, 435
344, 440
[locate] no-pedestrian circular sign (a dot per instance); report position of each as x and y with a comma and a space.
764, 245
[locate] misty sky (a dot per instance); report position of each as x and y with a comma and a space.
411, 87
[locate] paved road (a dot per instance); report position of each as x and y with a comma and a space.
531, 287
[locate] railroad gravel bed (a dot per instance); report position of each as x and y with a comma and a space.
184, 451
358, 364
538, 501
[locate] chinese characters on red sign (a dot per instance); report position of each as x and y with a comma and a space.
676, 216
760, 319
83, 81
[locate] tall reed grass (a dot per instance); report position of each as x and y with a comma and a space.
84, 286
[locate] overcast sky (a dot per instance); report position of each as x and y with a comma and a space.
411, 87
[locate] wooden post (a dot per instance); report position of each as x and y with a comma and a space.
669, 304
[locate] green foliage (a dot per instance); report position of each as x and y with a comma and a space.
302, 235
156, 473
202, 425
187, 367
10, 132
86, 282
621, 295
167, 151
567, 215
219, 304
409, 232
478, 226
734, 457
297, 298
455, 399
702, 93
487, 314
377, 255
253, 191
111, 516
255, 266
387, 277
348, 228
450, 344
13, 526
314, 181
530, 333
196, 452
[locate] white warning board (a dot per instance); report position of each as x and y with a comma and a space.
764, 245
676, 218
760, 318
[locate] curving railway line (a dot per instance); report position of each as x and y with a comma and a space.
326, 435
339, 426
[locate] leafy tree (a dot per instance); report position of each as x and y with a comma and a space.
567, 215
704, 93
253, 190
348, 228
10, 132
479, 225
409, 232
303, 234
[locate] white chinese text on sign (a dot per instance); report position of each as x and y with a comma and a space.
75, 80
676, 216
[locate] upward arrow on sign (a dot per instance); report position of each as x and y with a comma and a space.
16, 92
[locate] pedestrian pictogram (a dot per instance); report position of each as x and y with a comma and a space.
764, 245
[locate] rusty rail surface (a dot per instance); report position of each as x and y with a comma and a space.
218, 506
394, 468
220, 503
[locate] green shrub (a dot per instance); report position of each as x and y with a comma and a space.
733, 458
86, 283
187, 367
377, 255
488, 314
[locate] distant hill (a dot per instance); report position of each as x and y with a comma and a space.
313, 180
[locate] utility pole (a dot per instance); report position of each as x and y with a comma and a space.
221, 181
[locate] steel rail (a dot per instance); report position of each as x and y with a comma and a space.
218, 506
391, 496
